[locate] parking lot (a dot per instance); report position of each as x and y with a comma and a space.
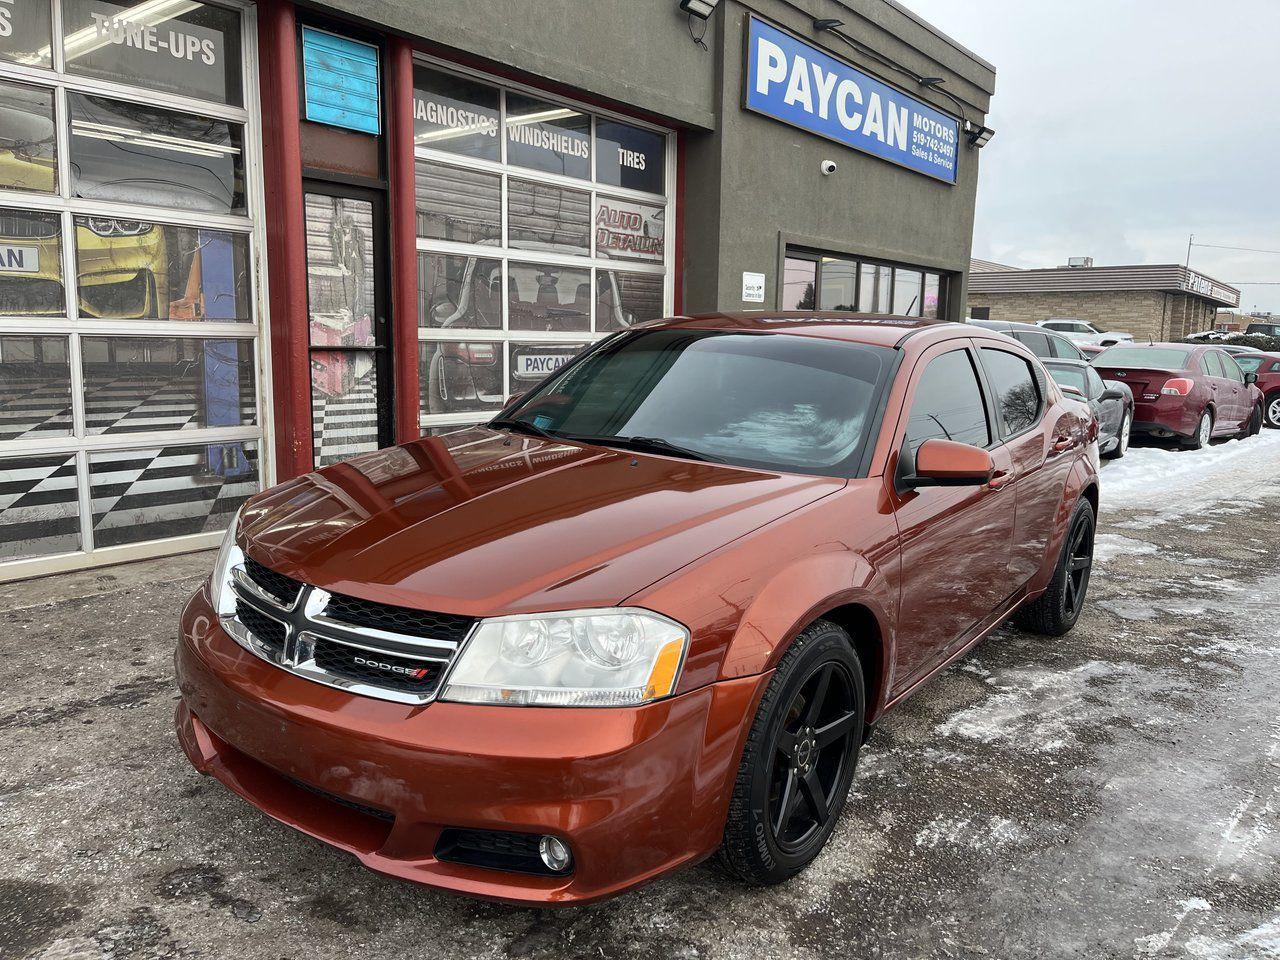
1115, 793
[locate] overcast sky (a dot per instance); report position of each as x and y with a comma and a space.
1122, 127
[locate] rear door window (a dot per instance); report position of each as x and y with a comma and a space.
1016, 389
1213, 365
1064, 348
1230, 369
948, 404
1037, 343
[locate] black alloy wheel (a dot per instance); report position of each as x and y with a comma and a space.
809, 756
1056, 611
1079, 563
799, 759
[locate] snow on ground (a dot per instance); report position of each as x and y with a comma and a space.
1176, 483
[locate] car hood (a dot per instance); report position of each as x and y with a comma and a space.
484, 523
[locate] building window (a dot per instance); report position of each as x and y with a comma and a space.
542, 227
828, 282
130, 394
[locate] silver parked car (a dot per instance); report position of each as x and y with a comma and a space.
1078, 331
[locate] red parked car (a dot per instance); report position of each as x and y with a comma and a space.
649, 613
1185, 391
1266, 368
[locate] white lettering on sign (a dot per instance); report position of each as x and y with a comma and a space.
6, 19
121, 31
752, 287
814, 89
535, 365
556, 142
19, 259
455, 118
631, 158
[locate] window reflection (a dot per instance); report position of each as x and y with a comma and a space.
839, 280
135, 270
35, 387
30, 264
541, 216
459, 292
457, 204
548, 297
28, 158
799, 281
137, 154
460, 376
625, 299
906, 293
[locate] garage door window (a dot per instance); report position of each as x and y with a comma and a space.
130, 389
542, 227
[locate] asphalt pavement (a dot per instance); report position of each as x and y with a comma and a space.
1113, 793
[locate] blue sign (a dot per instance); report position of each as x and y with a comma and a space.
797, 83
341, 81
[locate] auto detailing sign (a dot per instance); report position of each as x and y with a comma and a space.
795, 82
629, 230
1199, 283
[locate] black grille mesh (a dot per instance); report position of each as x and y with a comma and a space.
384, 815
285, 589
267, 631
339, 659
418, 623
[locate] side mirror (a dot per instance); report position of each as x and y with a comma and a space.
946, 463
1111, 393
1251, 377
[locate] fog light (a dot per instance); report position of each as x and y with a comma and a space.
555, 854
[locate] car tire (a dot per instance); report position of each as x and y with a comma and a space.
1271, 410
1122, 437
787, 775
1254, 426
1203, 434
1056, 611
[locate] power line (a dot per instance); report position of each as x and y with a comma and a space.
1221, 246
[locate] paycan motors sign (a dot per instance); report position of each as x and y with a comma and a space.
795, 82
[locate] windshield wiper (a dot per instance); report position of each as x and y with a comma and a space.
524, 426
654, 445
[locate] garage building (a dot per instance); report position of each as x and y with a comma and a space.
240, 240
1157, 301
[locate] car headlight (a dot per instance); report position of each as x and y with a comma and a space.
229, 555
579, 658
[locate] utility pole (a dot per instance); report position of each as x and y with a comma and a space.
1189, 239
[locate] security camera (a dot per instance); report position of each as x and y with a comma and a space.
828, 167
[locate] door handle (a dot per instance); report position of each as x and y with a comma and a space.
999, 480
1061, 444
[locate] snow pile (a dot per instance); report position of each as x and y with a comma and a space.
1174, 482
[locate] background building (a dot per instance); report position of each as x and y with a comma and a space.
240, 240
1158, 302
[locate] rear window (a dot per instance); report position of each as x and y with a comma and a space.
1152, 358
1250, 364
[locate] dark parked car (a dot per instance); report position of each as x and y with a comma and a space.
1045, 344
1266, 367
1266, 329
1185, 391
1110, 400
645, 616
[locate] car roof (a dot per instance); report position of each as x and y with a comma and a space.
1007, 325
873, 329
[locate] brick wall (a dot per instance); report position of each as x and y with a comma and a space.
1146, 315
1135, 312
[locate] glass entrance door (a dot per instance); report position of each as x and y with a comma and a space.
351, 408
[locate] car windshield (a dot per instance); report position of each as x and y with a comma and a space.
773, 401
1152, 358
1069, 376
1249, 363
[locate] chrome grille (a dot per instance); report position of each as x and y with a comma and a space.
368, 648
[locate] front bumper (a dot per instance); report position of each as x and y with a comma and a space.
635, 792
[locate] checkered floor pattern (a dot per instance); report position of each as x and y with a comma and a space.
153, 493
347, 424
